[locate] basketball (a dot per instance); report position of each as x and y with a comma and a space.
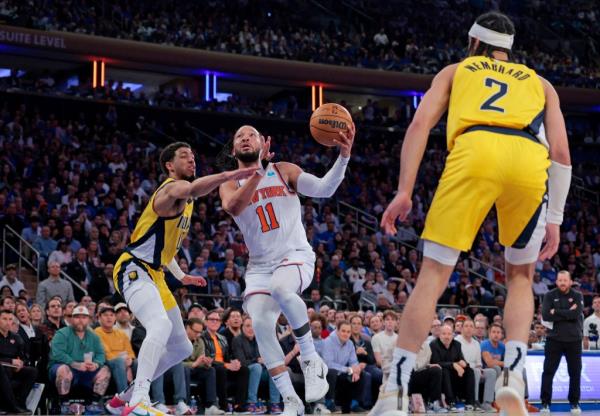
327, 120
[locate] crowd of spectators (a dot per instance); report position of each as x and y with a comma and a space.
558, 39
73, 187
89, 351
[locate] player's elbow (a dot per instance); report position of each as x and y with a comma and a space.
561, 155
232, 208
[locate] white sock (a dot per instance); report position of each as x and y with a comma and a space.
514, 357
283, 382
307, 346
406, 361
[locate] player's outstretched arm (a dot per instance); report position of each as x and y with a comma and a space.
308, 184
559, 173
429, 112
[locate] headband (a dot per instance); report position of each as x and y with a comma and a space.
491, 37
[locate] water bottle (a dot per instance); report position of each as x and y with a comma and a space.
259, 405
229, 408
194, 405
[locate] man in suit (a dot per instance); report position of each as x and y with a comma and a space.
82, 270
229, 286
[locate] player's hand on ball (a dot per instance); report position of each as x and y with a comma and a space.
193, 280
345, 140
552, 239
398, 209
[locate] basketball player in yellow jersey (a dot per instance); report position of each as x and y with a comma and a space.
139, 276
506, 138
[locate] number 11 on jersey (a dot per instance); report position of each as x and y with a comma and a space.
272, 223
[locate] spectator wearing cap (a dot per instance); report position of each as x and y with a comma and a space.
11, 279
62, 254
123, 319
117, 348
16, 379
77, 358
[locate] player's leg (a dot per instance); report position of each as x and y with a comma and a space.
145, 303
466, 192
522, 226
287, 282
438, 264
265, 311
178, 345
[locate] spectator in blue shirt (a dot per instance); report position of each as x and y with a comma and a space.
492, 349
345, 373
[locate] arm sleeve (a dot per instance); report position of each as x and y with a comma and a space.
309, 185
175, 269
559, 181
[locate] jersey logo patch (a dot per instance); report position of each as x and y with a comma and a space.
271, 173
132, 275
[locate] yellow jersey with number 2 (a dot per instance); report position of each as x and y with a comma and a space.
490, 92
498, 155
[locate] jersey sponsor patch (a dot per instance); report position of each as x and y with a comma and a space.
132, 275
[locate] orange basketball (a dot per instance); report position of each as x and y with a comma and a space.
327, 121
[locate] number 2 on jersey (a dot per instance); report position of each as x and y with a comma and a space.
272, 223
488, 104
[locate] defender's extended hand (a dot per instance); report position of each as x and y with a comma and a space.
193, 280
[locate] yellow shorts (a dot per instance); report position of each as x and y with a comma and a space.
128, 270
484, 169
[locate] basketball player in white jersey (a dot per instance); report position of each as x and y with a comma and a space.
266, 208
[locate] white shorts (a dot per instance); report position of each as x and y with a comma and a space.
300, 264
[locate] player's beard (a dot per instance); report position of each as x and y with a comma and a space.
247, 157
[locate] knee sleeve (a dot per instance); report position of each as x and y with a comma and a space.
264, 312
285, 283
440, 253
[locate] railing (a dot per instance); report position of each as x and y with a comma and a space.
10, 232
371, 224
32, 262
579, 189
